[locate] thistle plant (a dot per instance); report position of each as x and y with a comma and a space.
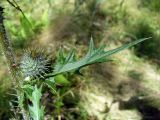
39, 69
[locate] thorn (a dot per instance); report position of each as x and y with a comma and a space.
14, 101
13, 89
41, 76
12, 94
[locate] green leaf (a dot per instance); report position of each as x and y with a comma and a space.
50, 82
26, 26
93, 56
28, 89
36, 110
60, 79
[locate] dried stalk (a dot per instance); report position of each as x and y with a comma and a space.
11, 61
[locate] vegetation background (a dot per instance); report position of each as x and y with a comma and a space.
126, 88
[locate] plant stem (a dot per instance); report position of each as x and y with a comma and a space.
7, 48
11, 61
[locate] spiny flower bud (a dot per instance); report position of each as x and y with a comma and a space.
35, 64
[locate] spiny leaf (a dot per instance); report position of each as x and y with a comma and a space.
28, 89
70, 57
36, 110
93, 56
